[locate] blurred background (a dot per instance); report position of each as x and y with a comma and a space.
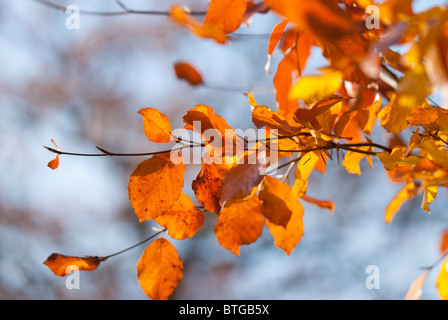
83, 89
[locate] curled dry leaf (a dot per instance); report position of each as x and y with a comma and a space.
62, 265
159, 269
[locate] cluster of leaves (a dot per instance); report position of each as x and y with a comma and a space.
319, 117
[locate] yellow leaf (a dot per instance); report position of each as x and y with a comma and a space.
302, 173
312, 87
398, 157
442, 281
407, 192
428, 196
352, 159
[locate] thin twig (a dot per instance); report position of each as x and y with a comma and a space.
132, 247
115, 13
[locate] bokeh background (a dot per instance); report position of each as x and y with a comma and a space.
83, 89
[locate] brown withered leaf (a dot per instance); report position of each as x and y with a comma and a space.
155, 186
61, 265
186, 71
159, 269
239, 224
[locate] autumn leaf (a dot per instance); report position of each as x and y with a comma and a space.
155, 186
181, 15
442, 281
186, 71
353, 158
239, 224
159, 269
304, 167
279, 201
316, 87
207, 186
219, 137
288, 238
324, 17
62, 265
324, 204
407, 192
429, 194
262, 116
415, 290
228, 14
156, 125
444, 241
183, 220
241, 179
54, 164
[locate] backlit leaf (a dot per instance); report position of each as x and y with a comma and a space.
239, 224
156, 125
312, 87
228, 14
306, 164
415, 290
442, 281
183, 219
407, 192
159, 269
155, 186
288, 238
207, 187
352, 159
62, 265
324, 204
181, 15
279, 201
186, 71
54, 164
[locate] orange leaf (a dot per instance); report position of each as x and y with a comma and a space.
228, 14
442, 281
159, 269
219, 137
288, 238
62, 265
415, 290
276, 36
54, 164
279, 201
207, 187
183, 219
188, 72
156, 125
407, 192
182, 16
324, 204
324, 17
444, 241
283, 81
262, 116
239, 224
155, 186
